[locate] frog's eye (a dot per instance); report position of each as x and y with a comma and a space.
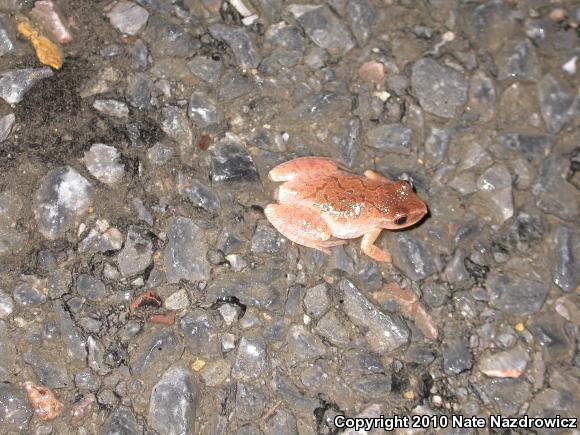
400, 220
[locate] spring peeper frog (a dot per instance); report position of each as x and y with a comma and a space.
320, 205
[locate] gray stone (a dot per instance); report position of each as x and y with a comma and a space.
349, 142
566, 274
281, 423
185, 251
324, 28
555, 102
514, 295
266, 239
51, 372
414, 257
549, 331
177, 301
87, 380
251, 359
507, 364
27, 296
6, 305
239, 40
456, 357
175, 124
293, 397
197, 193
139, 55
6, 41
518, 60
481, 96
15, 409
360, 14
253, 290
250, 402
303, 345
391, 138
159, 154
15, 83
202, 110
103, 163
441, 90
385, 332
531, 147
121, 422
526, 230
200, 329
114, 108
230, 162
6, 123
142, 212
316, 300
436, 146
91, 288
234, 85
156, 350
507, 395
136, 254
375, 386
75, 343
166, 38
552, 191
208, 69
172, 407
128, 17
139, 90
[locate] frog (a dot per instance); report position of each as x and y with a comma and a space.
321, 204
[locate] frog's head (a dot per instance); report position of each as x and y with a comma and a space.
405, 208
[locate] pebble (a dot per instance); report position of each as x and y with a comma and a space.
550, 333
508, 395
553, 193
197, 193
456, 356
177, 301
202, 110
142, 212
239, 40
157, 350
324, 28
102, 162
266, 239
175, 124
50, 372
316, 300
481, 96
554, 102
441, 90
128, 17
518, 60
361, 16
172, 407
62, 197
303, 345
507, 364
166, 38
281, 423
531, 147
15, 410
6, 41
6, 305
250, 362
200, 330
526, 230
391, 138
138, 90
331, 328
350, 141
207, 68
185, 251
257, 291
86, 379
15, 83
114, 108
230, 162
159, 154
139, 55
436, 146
47, 15
413, 257
385, 332
514, 295
6, 123
566, 274
250, 401
121, 421
91, 288
136, 254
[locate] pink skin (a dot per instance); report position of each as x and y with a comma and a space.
321, 205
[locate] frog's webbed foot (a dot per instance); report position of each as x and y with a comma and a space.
311, 167
368, 246
301, 225
372, 175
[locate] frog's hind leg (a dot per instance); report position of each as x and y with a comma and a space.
301, 225
311, 167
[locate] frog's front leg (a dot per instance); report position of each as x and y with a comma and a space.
301, 225
311, 167
368, 246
